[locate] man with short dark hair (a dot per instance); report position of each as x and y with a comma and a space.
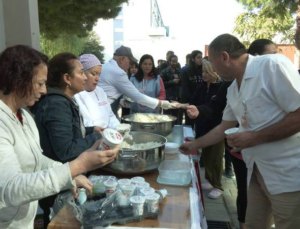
165, 64
114, 81
264, 99
171, 78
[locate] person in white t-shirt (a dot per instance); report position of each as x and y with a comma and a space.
93, 104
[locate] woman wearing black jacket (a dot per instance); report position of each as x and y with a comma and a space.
213, 155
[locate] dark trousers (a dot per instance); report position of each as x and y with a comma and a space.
240, 171
228, 165
212, 159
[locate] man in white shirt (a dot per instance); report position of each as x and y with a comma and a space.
114, 81
264, 99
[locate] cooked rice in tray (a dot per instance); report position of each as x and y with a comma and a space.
149, 118
140, 146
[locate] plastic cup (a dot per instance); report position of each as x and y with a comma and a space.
137, 203
124, 181
82, 196
231, 131
110, 139
137, 179
141, 185
98, 186
127, 192
110, 187
152, 202
147, 191
162, 193
111, 178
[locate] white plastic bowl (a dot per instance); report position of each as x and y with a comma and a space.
171, 148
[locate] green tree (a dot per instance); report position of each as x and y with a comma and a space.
73, 44
74, 17
266, 19
92, 46
62, 43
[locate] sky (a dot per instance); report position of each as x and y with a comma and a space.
195, 23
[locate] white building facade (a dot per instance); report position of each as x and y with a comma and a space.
139, 26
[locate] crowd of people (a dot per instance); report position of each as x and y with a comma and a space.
73, 99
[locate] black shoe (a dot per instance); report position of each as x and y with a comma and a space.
228, 173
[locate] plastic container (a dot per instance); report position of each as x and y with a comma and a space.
171, 148
176, 172
127, 191
110, 139
82, 196
98, 183
110, 186
152, 202
139, 186
124, 181
137, 179
147, 191
231, 131
137, 203
162, 194
106, 211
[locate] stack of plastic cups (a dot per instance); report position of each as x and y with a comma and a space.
135, 180
127, 193
147, 191
141, 185
137, 203
110, 187
152, 202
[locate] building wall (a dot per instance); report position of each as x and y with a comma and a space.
19, 23
2, 30
138, 26
290, 52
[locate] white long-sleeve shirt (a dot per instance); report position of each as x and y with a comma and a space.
95, 109
26, 175
114, 81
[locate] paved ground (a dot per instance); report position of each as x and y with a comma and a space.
224, 208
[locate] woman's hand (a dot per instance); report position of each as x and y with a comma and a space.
192, 111
92, 159
82, 182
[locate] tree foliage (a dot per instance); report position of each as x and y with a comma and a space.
62, 43
267, 19
74, 17
73, 44
92, 46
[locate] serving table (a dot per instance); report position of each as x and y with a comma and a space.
180, 209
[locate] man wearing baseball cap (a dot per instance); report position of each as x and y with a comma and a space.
114, 81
